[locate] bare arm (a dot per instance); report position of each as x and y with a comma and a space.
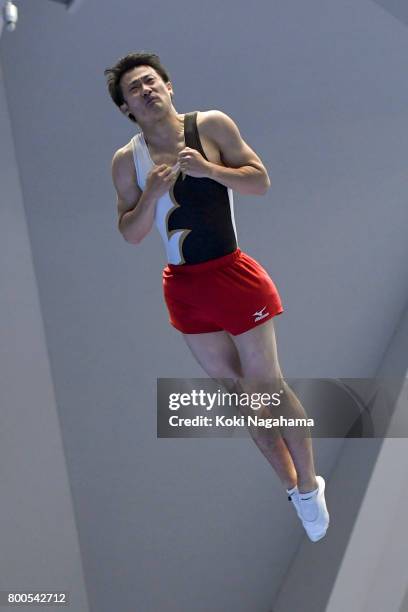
243, 170
135, 207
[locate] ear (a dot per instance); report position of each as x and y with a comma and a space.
124, 109
170, 89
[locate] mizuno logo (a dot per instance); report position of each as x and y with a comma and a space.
260, 314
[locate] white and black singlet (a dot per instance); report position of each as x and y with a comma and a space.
196, 216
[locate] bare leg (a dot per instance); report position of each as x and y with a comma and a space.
300, 446
218, 356
259, 360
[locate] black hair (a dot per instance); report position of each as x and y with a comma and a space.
126, 63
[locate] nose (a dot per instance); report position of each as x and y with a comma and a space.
146, 89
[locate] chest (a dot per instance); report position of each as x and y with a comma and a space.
170, 156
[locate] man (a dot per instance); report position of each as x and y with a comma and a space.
179, 173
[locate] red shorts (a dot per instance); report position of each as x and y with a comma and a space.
232, 293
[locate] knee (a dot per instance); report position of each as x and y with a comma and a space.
216, 366
218, 371
259, 366
272, 377
266, 391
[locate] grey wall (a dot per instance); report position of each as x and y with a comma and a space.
397, 8
316, 89
361, 566
372, 574
39, 542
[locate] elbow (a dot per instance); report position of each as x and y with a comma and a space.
128, 237
265, 187
125, 230
132, 239
264, 183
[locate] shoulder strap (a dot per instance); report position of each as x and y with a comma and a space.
191, 136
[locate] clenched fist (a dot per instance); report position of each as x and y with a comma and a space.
193, 163
160, 179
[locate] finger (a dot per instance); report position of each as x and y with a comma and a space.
168, 170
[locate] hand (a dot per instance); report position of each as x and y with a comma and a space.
160, 179
193, 163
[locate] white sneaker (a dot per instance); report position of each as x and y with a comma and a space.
294, 498
313, 511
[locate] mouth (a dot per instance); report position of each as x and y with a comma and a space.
150, 101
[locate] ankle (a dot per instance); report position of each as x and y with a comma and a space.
305, 486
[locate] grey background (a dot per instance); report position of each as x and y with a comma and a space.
38, 535
317, 90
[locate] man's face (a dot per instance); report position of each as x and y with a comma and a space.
146, 94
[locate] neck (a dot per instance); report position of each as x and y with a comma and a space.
164, 131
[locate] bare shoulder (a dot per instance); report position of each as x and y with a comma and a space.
123, 166
212, 120
123, 158
124, 175
222, 130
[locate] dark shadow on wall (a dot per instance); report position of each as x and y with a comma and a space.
312, 574
397, 8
